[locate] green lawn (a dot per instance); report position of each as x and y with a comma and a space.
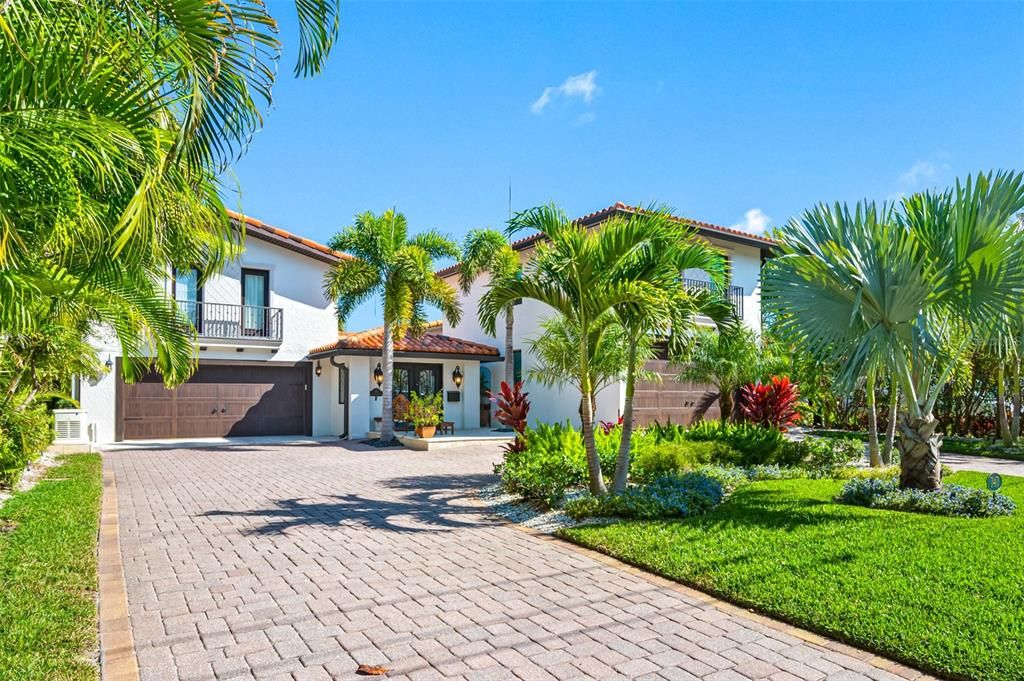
48, 575
945, 594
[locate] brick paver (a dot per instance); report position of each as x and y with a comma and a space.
302, 562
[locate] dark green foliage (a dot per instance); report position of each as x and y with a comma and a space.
23, 437
669, 496
755, 445
940, 593
823, 454
553, 460
48, 575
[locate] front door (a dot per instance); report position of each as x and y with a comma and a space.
422, 379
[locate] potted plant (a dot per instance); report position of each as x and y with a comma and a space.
425, 412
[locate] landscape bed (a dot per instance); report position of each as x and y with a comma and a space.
48, 575
940, 593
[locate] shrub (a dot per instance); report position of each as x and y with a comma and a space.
552, 460
425, 410
772, 404
754, 444
950, 500
23, 436
822, 454
670, 496
676, 457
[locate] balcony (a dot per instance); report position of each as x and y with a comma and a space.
225, 321
735, 293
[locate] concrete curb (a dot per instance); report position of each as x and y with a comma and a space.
117, 646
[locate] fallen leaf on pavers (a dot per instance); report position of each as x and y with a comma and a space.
371, 670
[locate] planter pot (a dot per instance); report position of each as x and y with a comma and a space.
426, 431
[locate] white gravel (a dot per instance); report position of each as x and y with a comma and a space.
524, 513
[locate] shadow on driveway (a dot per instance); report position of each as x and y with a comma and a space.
430, 503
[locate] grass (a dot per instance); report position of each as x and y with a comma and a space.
944, 594
48, 575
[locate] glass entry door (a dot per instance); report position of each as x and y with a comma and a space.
422, 379
255, 299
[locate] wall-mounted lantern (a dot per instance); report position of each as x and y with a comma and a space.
378, 375
457, 377
319, 369
109, 364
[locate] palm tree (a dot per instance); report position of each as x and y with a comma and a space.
905, 287
674, 251
573, 272
400, 268
116, 121
487, 250
727, 360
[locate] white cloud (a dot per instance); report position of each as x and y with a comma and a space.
583, 85
922, 173
584, 118
754, 221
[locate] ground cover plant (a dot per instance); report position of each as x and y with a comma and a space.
48, 575
951, 500
864, 575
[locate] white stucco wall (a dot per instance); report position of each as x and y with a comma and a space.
560, 404
308, 321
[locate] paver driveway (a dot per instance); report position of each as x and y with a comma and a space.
300, 562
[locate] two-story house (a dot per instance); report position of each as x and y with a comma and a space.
667, 399
271, 360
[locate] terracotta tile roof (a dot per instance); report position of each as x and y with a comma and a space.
597, 217
372, 340
293, 242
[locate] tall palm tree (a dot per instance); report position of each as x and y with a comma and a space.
572, 272
487, 250
673, 251
116, 121
906, 288
400, 268
726, 359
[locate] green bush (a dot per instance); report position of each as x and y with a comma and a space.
669, 457
554, 460
23, 437
950, 500
669, 496
755, 445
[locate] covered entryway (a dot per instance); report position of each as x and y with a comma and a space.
221, 399
671, 400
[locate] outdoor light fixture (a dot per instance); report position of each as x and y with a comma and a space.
457, 377
378, 375
319, 369
109, 363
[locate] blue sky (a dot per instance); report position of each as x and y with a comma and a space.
734, 113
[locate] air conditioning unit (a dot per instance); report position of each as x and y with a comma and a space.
70, 426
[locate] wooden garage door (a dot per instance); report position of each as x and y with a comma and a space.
219, 400
672, 400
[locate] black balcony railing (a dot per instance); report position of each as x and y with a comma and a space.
734, 293
234, 322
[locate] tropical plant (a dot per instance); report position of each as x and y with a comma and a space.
487, 250
575, 271
116, 120
425, 410
904, 287
553, 461
671, 308
512, 412
726, 359
388, 262
772, 404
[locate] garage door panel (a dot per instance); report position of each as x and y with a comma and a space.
672, 400
219, 400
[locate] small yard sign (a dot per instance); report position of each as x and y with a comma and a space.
994, 482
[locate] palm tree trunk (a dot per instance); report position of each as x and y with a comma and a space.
890, 435
597, 486
1004, 425
919, 453
725, 403
873, 454
622, 463
510, 353
387, 421
1015, 395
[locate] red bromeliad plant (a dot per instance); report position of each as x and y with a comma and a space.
512, 410
772, 405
